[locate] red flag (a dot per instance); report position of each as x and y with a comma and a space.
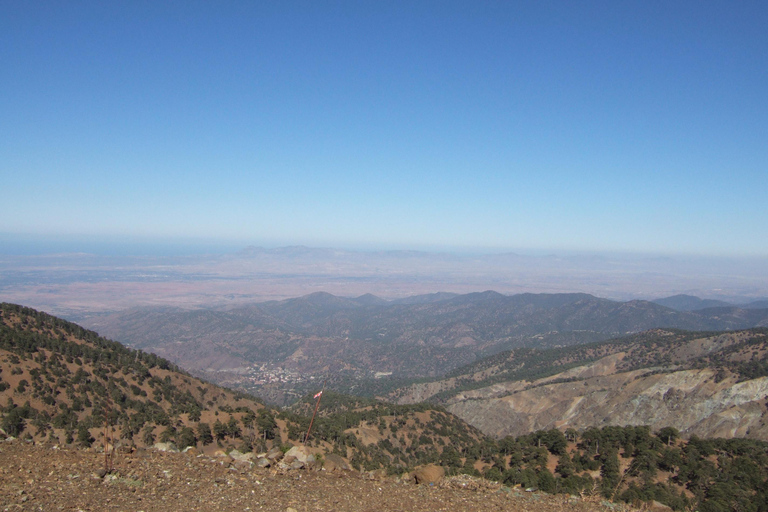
318, 395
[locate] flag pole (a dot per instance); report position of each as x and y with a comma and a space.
317, 406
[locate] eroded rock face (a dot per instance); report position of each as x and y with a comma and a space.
690, 400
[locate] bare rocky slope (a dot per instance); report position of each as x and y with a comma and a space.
707, 385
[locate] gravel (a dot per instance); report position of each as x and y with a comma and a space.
49, 478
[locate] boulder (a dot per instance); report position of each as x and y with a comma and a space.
300, 453
223, 458
240, 456
242, 465
335, 462
298, 457
165, 447
430, 474
263, 462
275, 454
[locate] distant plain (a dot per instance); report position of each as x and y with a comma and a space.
76, 285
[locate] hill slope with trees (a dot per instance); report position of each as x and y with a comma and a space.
708, 384
66, 388
354, 339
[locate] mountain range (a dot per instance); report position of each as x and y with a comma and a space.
65, 385
424, 336
683, 302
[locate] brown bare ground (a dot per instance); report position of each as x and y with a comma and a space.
40, 477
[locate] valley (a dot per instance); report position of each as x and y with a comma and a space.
368, 345
87, 401
384, 256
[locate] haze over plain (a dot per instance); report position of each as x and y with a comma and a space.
537, 128
167, 166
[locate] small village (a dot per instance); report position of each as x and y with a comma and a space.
266, 373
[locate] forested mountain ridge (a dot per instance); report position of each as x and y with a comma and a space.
683, 302
415, 338
64, 384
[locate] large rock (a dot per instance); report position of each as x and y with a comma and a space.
275, 454
300, 453
298, 457
243, 457
335, 462
430, 474
296, 464
165, 447
242, 465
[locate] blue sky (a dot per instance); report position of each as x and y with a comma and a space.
588, 126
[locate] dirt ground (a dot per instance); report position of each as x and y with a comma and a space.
44, 478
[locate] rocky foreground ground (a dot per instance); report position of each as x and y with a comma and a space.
48, 478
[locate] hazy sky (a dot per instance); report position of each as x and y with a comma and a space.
616, 125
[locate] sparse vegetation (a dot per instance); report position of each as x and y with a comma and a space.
744, 354
71, 383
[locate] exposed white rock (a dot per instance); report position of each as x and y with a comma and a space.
165, 447
689, 400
